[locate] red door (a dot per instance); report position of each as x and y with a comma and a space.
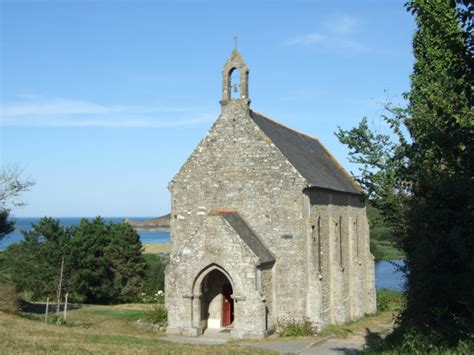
227, 306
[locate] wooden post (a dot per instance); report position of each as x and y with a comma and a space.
46, 312
65, 307
60, 286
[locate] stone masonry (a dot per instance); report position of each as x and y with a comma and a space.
266, 212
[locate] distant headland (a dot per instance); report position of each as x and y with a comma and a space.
155, 224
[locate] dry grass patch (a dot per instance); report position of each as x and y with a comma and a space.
96, 329
381, 323
156, 248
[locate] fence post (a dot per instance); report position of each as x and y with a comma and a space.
46, 312
65, 307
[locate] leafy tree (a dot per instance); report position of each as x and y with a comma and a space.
11, 187
423, 181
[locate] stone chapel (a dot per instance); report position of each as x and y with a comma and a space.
266, 227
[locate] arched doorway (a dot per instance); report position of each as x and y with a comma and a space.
217, 305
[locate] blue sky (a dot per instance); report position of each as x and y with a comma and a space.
102, 101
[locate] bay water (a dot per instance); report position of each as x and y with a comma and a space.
25, 224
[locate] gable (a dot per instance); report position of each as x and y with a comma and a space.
235, 149
248, 236
309, 157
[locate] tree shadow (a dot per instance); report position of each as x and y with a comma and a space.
372, 339
347, 350
40, 308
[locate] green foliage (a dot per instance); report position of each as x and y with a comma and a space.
388, 300
157, 314
11, 187
410, 341
33, 264
375, 250
103, 261
128, 265
294, 328
154, 273
422, 182
385, 250
6, 226
382, 244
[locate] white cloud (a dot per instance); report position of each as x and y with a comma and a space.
338, 34
52, 107
77, 113
308, 39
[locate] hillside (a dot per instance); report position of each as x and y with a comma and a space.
155, 224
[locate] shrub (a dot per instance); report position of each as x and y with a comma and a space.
294, 328
157, 314
410, 341
8, 298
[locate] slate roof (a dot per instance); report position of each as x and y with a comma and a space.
247, 235
312, 160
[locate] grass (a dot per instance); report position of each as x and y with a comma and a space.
157, 248
95, 329
386, 250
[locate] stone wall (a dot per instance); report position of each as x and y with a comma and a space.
237, 167
344, 273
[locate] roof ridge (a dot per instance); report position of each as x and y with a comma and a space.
284, 126
339, 166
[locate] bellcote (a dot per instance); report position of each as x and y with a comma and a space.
235, 76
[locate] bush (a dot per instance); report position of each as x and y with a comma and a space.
294, 328
9, 299
409, 341
157, 314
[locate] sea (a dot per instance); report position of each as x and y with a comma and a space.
23, 223
387, 273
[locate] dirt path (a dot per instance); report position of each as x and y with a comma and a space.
357, 338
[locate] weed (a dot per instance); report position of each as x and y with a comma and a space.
292, 327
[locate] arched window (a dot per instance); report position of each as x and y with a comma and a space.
235, 84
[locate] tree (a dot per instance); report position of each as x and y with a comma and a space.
11, 187
423, 181
125, 255
33, 264
102, 261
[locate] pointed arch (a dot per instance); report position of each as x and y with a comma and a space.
197, 284
214, 288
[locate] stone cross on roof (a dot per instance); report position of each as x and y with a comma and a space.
236, 40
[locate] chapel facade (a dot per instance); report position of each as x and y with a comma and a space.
266, 227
